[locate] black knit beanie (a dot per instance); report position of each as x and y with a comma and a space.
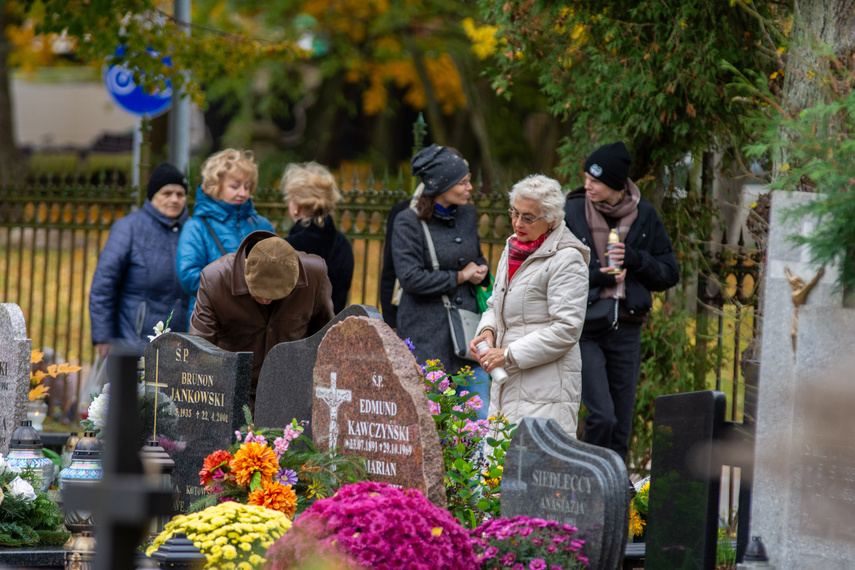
439, 168
610, 165
164, 174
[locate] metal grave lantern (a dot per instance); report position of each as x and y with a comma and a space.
26, 452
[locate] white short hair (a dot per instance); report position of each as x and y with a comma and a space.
543, 190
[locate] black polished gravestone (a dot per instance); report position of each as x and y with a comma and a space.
682, 513
285, 383
551, 476
206, 389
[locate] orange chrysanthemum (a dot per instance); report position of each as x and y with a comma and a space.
218, 460
277, 497
254, 457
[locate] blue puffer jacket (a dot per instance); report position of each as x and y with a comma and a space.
197, 248
135, 283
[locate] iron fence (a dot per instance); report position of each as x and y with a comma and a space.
53, 229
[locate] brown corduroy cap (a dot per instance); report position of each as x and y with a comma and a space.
272, 269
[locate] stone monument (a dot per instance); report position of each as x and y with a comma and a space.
551, 476
207, 388
369, 400
285, 382
15, 350
804, 480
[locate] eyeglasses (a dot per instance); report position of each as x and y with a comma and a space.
466, 180
527, 219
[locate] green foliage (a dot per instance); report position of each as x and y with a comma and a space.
23, 520
473, 450
99, 26
646, 72
820, 155
669, 363
725, 554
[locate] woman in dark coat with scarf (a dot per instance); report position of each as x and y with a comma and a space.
136, 282
311, 193
611, 359
453, 225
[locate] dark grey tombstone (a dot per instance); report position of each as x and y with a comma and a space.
15, 350
616, 528
285, 383
682, 513
207, 388
553, 478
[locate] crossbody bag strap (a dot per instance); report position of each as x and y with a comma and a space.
214, 235
433, 260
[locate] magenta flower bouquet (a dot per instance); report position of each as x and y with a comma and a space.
375, 525
523, 543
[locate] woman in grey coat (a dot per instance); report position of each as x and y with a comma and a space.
453, 224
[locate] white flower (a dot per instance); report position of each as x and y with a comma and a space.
21, 489
158, 330
98, 410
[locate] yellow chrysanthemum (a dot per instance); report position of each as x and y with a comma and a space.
251, 458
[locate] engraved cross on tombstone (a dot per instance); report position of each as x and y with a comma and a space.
333, 398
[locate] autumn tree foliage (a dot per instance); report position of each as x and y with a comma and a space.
649, 72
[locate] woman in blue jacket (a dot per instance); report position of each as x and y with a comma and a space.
135, 283
222, 216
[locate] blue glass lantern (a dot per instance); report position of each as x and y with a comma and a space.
85, 468
26, 452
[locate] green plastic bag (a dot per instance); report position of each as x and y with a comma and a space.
484, 292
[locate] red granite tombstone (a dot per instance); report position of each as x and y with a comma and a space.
369, 400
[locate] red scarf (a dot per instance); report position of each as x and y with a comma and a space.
518, 252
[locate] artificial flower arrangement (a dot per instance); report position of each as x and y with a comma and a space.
27, 518
378, 526
38, 390
279, 469
528, 543
473, 450
231, 535
638, 509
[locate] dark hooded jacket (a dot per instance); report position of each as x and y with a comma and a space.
197, 247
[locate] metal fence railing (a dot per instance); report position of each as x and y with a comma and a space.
52, 231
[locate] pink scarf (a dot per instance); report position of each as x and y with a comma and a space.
627, 211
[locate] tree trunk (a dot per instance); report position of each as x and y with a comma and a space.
816, 22
10, 160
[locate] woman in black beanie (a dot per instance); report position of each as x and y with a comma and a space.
136, 281
611, 356
453, 225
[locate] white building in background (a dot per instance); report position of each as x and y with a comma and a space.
69, 108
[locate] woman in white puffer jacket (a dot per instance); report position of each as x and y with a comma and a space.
535, 316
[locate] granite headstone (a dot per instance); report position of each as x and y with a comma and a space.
285, 382
803, 503
201, 391
682, 514
551, 476
369, 400
15, 349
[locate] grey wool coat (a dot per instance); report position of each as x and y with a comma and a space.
421, 315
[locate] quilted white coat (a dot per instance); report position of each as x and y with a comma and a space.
539, 315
